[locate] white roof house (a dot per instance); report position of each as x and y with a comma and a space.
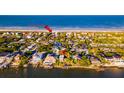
35, 59
61, 58
94, 60
2, 59
49, 60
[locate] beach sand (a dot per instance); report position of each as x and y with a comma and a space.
63, 30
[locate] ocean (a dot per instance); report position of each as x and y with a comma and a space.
62, 21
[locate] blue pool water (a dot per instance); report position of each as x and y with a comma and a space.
62, 21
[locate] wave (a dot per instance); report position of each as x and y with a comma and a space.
57, 28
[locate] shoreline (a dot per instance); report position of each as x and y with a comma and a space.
65, 30
91, 67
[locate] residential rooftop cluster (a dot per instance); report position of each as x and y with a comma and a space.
61, 48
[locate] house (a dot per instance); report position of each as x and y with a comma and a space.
50, 41
35, 59
16, 57
29, 36
56, 34
38, 40
5, 33
49, 60
70, 42
116, 58
31, 46
21, 41
68, 34
73, 49
62, 51
2, 59
55, 50
8, 59
44, 34
42, 55
57, 44
77, 57
61, 58
16, 60
110, 59
79, 50
94, 60
5, 60
62, 54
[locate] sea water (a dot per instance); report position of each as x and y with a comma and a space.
62, 21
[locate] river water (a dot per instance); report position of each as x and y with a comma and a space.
31, 72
